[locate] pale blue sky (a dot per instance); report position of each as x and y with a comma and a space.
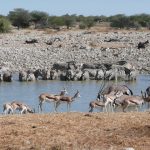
79, 7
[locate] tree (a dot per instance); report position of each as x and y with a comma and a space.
148, 25
141, 19
68, 20
82, 25
89, 21
19, 18
39, 18
4, 25
55, 21
120, 21
80, 18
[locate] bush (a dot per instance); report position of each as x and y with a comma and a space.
120, 21
82, 26
4, 25
68, 21
56, 22
89, 22
20, 18
39, 18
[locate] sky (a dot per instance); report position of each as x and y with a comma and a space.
79, 7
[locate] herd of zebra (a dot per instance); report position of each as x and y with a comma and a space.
112, 96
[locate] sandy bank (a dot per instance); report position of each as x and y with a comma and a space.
76, 131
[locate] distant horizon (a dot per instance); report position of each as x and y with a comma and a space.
79, 7
77, 14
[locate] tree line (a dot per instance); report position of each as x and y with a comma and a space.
22, 18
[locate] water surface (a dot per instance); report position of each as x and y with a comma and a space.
28, 92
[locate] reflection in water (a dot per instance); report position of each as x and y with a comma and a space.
28, 92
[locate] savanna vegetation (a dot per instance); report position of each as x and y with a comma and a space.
22, 18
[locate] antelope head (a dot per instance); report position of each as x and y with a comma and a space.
64, 90
31, 110
78, 94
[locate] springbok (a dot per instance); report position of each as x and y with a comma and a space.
45, 97
23, 108
7, 108
11, 107
107, 99
67, 99
97, 104
125, 100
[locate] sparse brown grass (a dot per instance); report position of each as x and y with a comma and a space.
49, 31
75, 131
101, 29
112, 45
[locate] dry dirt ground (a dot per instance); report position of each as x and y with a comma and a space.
75, 131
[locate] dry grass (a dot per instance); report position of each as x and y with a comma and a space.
112, 45
49, 31
107, 29
75, 131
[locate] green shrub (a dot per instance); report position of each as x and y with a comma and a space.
20, 18
4, 25
39, 18
82, 26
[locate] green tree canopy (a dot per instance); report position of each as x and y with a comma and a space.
39, 18
19, 17
68, 20
55, 21
4, 25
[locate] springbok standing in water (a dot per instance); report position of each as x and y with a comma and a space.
108, 94
7, 108
67, 99
107, 99
104, 90
97, 104
45, 97
15, 105
126, 100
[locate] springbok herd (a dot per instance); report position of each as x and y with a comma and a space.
113, 96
